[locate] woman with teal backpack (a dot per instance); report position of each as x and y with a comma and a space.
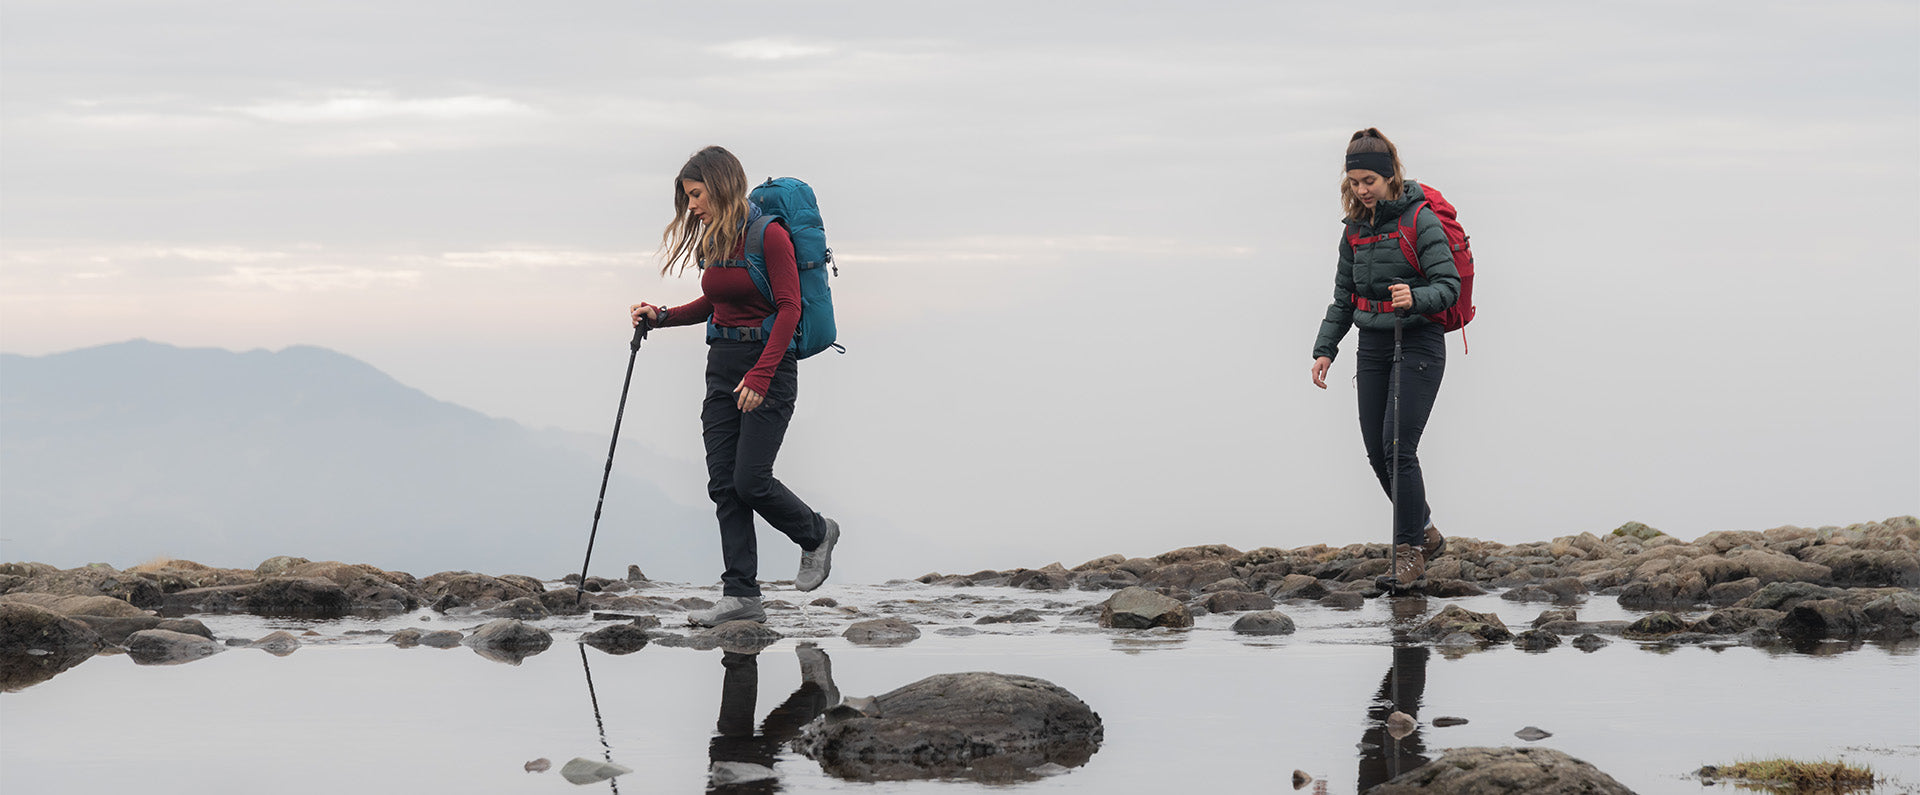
1378, 288
752, 372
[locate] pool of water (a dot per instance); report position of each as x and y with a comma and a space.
350, 713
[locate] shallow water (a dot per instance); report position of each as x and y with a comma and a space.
350, 713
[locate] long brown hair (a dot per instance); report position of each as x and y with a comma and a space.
1371, 140
687, 241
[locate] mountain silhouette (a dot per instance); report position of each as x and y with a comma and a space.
136, 450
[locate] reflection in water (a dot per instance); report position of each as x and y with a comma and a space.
742, 758
597, 723
1387, 750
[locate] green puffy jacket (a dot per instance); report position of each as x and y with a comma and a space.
1370, 270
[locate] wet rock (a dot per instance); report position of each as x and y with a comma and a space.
368, 588
1533, 734
956, 631
1536, 640
824, 601
617, 639
166, 647
1343, 600
540, 765
1051, 578
739, 636
1734, 620
1819, 619
25, 627
307, 597
881, 632
1664, 590
1299, 586
442, 639
1366, 569
1188, 575
982, 726
509, 635
1301, 779
563, 601
1590, 643
75, 605
1444, 721
1025, 615
1851, 566
580, 770
1111, 579
116, 630
461, 588
1102, 562
1400, 724
1551, 616
525, 608
1615, 627
1897, 612
279, 644
1139, 608
1654, 625
1265, 622
1456, 619
1236, 601
634, 574
407, 638
1477, 771
1727, 593
1452, 589
95, 580
1202, 552
1784, 595
279, 565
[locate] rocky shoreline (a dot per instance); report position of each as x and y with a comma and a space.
1789, 587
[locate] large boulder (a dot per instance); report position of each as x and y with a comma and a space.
95, 580
1852, 566
75, 605
1139, 608
1503, 771
982, 726
510, 634
461, 588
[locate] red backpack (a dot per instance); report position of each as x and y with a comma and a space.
1461, 313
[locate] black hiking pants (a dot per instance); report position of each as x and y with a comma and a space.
740, 450
1424, 360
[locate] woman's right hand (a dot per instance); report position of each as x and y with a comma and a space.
1320, 367
643, 311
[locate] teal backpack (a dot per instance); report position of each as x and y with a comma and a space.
790, 202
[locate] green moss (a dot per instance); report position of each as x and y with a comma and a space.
1792, 776
1637, 530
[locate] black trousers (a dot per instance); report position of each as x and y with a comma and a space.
741, 447
1424, 361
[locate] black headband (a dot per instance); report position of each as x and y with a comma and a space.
1378, 162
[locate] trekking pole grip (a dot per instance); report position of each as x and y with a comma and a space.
639, 333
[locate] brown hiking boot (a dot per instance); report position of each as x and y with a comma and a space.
1409, 565
1436, 543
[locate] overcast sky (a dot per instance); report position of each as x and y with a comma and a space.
1084, 247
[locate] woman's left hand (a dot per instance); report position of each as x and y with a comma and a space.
1402, 296
746, 399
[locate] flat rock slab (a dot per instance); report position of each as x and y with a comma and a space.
982, 726
746, 637
1503, 771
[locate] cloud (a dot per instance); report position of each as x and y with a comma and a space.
768, 49
361, 106
317, 278
539, 259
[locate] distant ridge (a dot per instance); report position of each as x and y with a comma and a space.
124, 452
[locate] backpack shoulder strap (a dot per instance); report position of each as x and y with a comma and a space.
1410, 236
757, 234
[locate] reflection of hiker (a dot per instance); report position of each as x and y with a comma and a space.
752, 376
1382, 754
742, 759
1374, 281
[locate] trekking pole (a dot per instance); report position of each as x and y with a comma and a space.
1393, 550
639, 333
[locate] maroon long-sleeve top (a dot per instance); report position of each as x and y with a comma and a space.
729, 297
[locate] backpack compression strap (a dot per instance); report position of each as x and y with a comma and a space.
1405, 233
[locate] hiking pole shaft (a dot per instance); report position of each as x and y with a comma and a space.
639, 333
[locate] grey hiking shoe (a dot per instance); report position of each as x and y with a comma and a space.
729, 608
815, 565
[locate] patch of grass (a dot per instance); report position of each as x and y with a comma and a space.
1792, 776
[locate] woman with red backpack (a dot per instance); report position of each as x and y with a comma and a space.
1378, 287
752, 374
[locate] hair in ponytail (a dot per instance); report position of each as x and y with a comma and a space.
1371, 141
